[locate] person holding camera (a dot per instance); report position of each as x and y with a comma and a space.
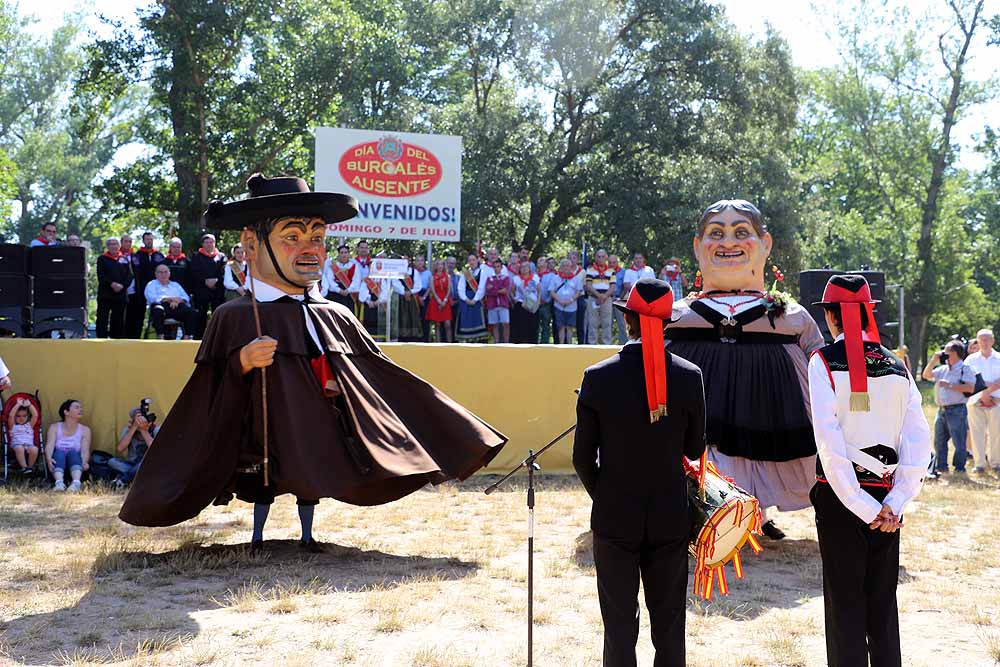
952, 380
137, 437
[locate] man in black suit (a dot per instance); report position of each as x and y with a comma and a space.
630, 438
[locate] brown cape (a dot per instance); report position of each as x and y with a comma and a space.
408, 432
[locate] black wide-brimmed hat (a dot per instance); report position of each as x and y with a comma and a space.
279, 197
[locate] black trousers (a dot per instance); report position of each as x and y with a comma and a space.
182, 313
110, 317
203, 304
664, 571
523, 325
135, 315
860, 571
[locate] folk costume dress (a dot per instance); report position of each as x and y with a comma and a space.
234, 277
440, 291
387, 433
471, 323
754, 361
411, 323
336, 277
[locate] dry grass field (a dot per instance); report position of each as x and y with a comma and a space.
439, 580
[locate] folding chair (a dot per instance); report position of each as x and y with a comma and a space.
8, 406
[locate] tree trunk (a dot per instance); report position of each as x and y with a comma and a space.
183, 100
924, 297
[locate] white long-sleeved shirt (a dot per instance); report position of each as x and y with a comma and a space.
330, 283
480, 290
156, 291
229, 280
896, 420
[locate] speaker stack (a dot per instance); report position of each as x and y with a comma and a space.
59, 300
15, 290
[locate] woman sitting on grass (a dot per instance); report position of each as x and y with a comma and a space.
21, 425
68, 445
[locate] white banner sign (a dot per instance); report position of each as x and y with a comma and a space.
408, 186
382, 267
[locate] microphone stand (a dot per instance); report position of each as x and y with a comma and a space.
532, 466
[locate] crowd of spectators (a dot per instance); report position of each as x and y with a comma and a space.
489, 299
483, 299
966, 379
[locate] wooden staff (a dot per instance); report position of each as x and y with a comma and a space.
263, 370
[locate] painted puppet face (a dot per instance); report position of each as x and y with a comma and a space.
299, 249
730, 252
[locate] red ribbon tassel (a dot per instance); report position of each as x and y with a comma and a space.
855, 347
654, 364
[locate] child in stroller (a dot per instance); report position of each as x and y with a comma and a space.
22, 425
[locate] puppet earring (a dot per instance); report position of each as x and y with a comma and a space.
778, 275
697, 280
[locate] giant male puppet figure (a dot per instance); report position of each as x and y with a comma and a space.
753, 348
343, 421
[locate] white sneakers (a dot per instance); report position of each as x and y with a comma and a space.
60, 486
75, 486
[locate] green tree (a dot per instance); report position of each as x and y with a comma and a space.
59, 145
876, 155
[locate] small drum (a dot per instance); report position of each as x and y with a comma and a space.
724, 517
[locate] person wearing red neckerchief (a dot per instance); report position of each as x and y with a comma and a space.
363, 258
873, 447
638, 414
599, 278
114, 274
47, 237
144, 263
581, 303
178, 263
207, 289
546, 274
673, 275
524, 310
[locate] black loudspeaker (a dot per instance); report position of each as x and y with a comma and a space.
15, 291
60, 292
58, 261
13, 320
72, 321
813, 281
13, 259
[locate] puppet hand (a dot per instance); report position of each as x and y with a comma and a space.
258, 353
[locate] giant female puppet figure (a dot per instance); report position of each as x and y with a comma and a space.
342, 421
753, 348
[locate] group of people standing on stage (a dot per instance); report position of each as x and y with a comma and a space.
517, 301
130, 285
788, 418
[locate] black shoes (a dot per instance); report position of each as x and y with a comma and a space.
256, 547
772, 531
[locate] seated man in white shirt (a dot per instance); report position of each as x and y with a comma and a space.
168, 299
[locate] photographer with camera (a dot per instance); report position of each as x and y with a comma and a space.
137, 437
952, 380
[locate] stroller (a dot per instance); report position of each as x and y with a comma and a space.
9, 405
